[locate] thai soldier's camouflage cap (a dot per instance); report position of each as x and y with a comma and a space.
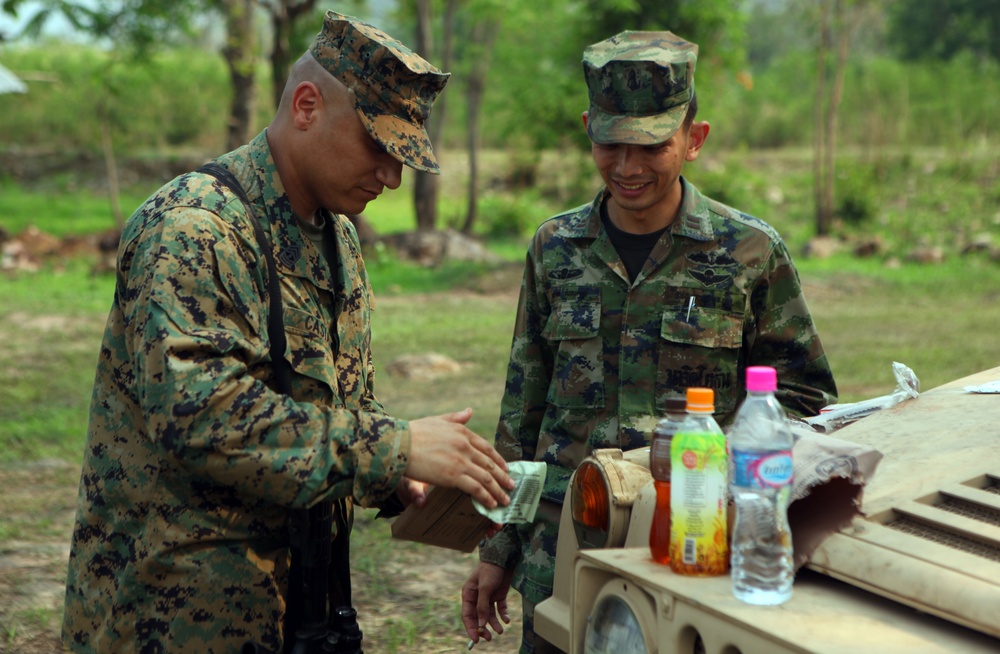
393, 87
640, 85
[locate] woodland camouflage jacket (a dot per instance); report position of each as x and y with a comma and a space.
192, 460
594, 356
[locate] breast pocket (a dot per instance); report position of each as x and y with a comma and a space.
573, 328
310, 353
700, 347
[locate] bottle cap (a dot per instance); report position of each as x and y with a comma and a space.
762, 379
675, 405
700, 399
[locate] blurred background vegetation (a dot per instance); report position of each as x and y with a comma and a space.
856, 95
869, 122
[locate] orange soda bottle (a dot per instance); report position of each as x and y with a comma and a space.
659, 466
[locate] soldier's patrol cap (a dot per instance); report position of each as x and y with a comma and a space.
393, 87
640, 85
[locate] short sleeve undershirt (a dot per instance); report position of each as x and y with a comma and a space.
632, 249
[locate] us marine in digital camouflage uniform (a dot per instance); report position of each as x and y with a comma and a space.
193, 461
648, 290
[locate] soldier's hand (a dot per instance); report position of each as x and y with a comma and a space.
444, 452
412, 492
484, 601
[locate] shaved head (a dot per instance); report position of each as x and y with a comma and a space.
307, 69
324, 153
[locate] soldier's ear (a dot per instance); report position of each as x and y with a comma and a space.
307, 102
697, 134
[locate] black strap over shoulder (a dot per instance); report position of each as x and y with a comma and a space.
319, 602
275, 314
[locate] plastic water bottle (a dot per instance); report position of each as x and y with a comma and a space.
659, 467
761, 478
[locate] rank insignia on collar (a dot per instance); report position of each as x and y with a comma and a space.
289, 255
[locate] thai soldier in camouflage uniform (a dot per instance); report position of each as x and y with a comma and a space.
193, 461
648, 290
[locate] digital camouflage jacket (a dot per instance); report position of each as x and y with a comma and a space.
192, 460
594, 356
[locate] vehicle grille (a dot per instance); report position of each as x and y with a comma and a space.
944, 537
922, 519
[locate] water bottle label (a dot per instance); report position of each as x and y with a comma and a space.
770, 469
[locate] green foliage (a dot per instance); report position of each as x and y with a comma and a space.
717, 26
137, 25
770, 109
857, 194
888, 103
538, 90
505, 215
773, 30
730, 183
305, 28
177, 98
922, 30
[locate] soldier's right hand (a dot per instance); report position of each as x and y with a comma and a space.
484, 601
444, 452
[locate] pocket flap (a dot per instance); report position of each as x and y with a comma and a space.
308, 348
575, 314
704, 324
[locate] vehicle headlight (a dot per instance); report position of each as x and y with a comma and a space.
601, 495
615, 626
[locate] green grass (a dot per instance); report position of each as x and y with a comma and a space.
60, 208
938, 320
51, 328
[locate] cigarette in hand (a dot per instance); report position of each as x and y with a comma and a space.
472, 643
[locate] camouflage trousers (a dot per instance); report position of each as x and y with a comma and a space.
534, 575
532, 643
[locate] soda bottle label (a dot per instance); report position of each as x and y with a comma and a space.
698, 537
768, 469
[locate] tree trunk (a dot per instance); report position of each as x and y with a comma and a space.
284, 14
281, 31
111, 167
240, 56
484, 35
425, 187
819, 125
838, 19
836, 93
474, 96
